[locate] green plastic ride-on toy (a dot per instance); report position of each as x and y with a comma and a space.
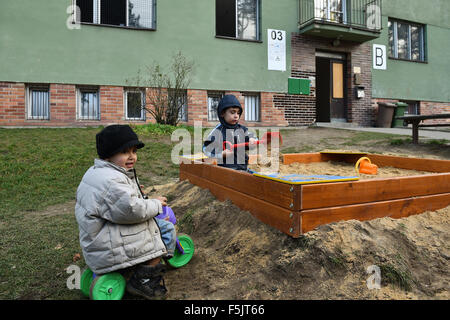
111, 286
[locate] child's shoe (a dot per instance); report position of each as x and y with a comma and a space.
146, 282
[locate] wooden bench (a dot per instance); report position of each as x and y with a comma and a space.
416, 119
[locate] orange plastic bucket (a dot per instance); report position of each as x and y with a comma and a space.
364, 165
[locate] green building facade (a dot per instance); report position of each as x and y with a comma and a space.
426, 81
63, 69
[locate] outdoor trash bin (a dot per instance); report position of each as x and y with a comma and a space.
385, 114
399, 112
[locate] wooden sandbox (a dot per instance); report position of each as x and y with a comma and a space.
298, 208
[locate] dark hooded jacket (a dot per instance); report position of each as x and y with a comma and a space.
213, 145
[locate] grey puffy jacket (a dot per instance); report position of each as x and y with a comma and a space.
116, 224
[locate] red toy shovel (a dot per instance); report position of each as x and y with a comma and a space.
266, 139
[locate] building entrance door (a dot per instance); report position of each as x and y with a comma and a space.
337, 108
330, 88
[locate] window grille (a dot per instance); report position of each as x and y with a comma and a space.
38, 108
125, 13
252, 107
88, 104
134, 103
213, 102
182, 101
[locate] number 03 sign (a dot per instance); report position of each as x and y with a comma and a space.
276, 50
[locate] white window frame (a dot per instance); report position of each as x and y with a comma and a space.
252, 107
322, 11
125, 99
96, 11
80, 91
183, 112
257, 22
29, 102
211, 96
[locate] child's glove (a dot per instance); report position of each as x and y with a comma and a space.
163, 200
227, 153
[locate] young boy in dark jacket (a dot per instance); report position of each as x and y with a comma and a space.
231, 132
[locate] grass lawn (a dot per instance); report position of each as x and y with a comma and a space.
39, 169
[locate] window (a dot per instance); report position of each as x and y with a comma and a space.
413, 107
406, 40
88, 104
126, 13
38, 103
330, 10
183, 114
134, 104
213, 102
252, 109
180, 98
238, 19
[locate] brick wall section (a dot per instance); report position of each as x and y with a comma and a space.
300, 110
62, 104
197, 106
271, 113
12, 103
435, 108
111, 104
425, 107
276, 109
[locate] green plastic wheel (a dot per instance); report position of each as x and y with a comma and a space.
85, 281
110, 286
178, 260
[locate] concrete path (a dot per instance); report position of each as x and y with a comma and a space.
441, 134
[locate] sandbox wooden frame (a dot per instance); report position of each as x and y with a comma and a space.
296, 209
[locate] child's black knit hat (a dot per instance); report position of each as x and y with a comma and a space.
115, 138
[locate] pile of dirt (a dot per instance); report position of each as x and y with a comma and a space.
239, 257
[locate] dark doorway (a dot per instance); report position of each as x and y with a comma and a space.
330, 89
322, 89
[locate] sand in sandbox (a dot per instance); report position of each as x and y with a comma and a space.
274, 164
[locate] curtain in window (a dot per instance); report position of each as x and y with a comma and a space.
406, 41
89, 108
140, 13
251, 108
179, 98
237, 19
39, 104
416, 41
247, 18
213, 102
134, 105
402, 40
331, 10
391, 39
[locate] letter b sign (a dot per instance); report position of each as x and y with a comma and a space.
379, 57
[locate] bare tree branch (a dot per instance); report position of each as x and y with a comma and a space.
166, 93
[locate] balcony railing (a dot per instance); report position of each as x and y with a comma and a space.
361, 14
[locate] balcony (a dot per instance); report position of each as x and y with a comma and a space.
352, 20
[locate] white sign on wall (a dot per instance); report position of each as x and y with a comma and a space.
379, 56
276, 50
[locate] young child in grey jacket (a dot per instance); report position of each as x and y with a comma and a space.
117, 224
